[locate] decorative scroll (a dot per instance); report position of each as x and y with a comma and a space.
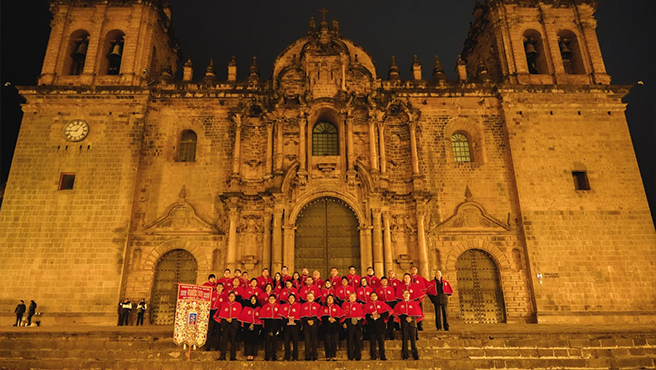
192, 315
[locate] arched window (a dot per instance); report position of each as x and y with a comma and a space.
535, 56
77, 51
187, 148
325, 140
460, 145
570, 52
113, 52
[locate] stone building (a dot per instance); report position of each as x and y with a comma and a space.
518, 180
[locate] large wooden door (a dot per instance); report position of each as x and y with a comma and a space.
327, 236
176, 266
479, 288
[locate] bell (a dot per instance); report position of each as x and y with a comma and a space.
564, 51
115, 55
81, 52
530, 50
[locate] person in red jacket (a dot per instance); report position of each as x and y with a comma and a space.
269, 314
263, 297
352, 321
342, 292
353, 278
326, 290
408, 313
284, 272
372, 279
316, 277
363, 291
387, 294
278, 283
331, 316
211, 326
297, 280
228, 315
265, 279
377, 314
251, 327
245, 281
423, 284
287, 291
393, 281
438, 291
291, 314
310, 313
249, 291
226, 280
218, 298
305, 273
307, 288
415, 290
334, 278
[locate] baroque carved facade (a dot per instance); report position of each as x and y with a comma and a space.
427, 168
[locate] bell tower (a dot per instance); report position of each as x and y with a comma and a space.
536, 42
109, 43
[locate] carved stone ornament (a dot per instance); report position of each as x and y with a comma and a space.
181, 219
470, 216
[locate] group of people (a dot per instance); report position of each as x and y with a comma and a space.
290, 307
20, 311
124, 309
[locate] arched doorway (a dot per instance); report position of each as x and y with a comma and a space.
479, 288
176, 266
327, 236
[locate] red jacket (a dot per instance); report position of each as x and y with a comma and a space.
319, 282
373, 281
284, 294
325, 293
416, 292
353, 310
227, 283
363, 293
250, 315
218, 299
248, 292
336, 280
303, 292
420, 280
263, 281
354, 280
270, 311
343, 292
332, 310
394, 283
288, 310
228, 310
310, 310
386, 294
431, 289
263, 298
378, 307
408, 308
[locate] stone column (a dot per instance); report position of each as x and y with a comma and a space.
231, 253
289, 235
379, 267
350, 157
421, 244
365, 248
302, 146
381, 140
387, 243
373, 155
237, 151
276, 248
413, 148
279, 144
269, 150
266, 255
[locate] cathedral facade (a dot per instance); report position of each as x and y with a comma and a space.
517, 180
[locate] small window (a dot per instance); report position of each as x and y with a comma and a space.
581, 180
460, 144
187, 148
325, 140
66, 181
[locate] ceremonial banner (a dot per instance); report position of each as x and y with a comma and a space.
192, 314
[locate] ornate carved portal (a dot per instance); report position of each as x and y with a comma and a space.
479, 289
327, 236
176, 266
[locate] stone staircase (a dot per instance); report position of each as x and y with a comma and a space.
467, 347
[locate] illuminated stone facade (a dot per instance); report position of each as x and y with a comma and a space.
526, 157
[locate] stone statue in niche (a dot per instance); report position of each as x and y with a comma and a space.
251, 236
402, 233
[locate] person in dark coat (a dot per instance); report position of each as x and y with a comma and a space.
439, 291
19, 311
141, 310
30, 312
251, 327
126, 307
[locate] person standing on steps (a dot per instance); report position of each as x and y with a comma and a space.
291, 314
387, 294
19, 311
30, 312
251, 326
408, 313
439, 291
229, 315
331, 317
377, 313
126, 307
270, 316
141, 310
211, 327
352, 321
310, 312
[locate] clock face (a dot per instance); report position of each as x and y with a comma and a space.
76, 130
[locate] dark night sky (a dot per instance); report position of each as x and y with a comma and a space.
220, 29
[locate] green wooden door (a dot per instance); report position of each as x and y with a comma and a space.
479, 288
176, 266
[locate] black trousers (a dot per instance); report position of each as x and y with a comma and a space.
291, 333
409, 332
330, 336
440, 304
270, 338
250, 338
140, 316
391, 324
212, 335
354, 339
376, 329
19, 318
229, 335
125, 316
310, 332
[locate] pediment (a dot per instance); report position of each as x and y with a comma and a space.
471, 217
180, 219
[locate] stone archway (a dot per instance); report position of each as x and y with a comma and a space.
327, 235
176, 266
479, 288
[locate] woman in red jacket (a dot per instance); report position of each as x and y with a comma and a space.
310, 313
291, 323
331, 316
363, 291
377, 314
248, 291
263, 297
287, 291
342, 292
251, 326
326, 290
353, 318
